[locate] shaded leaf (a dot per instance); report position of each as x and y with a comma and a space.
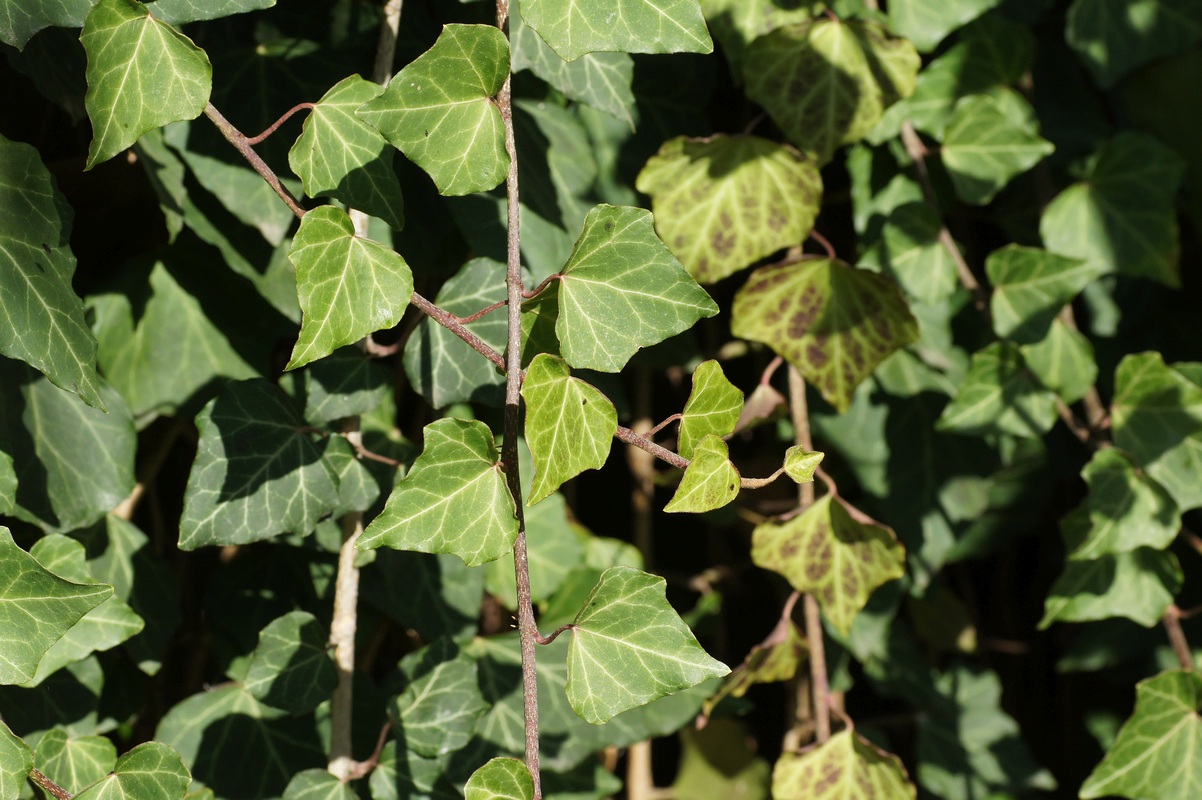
500, 779
177, 12
317, 784
21, 19
998, 394
776, 659
926, 24
909, 250
8, 483
725, 202
710, 481
150, 771
714, 406
833, 322
15, 763
344, 383
577, 27
1113, 37
74, 762
845, 766
436, 595
1063, 361
986, 144
1030, 286
554, 549
291, 668
438, 710
1127, 509
738, 23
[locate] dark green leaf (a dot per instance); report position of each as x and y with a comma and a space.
987, 143
577, 27
21, 19
343, 384
74, 762
150, 771
554, 549
438, 710
291, 668
1113, 37
738, 23
1063, 361
436, 595
177, 12
1127, 509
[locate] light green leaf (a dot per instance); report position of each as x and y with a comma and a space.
826, 82
37, 608
1122, 215
349, 287
577, 27
438, 110
833, 322
800, 464
43, 323
1063, 361
8, 483
601, 80
1157, 753
1127, 509
629, 647
1113, 37
986, 144
500, 779
339, 155
438, 710
454, 499
738, 23
344, 383
73, 463
257, 472
725, 202
828, 552
291, 668
569, 425
714, 406
999, 395
1156, 416
15, 763
1030, 286
926, 24
150, 771
142, 74
177, 12
710, 481
318, 784
74, 762
909, 249
776, 659
622, 290
847, 767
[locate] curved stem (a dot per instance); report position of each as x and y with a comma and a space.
1172, 626
275, 125
243, 146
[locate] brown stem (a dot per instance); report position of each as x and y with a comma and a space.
770, 370
468, 320
554, 634
642, 471
361, 769
662, 425
818, 677
537, 289
826, 245
275, 125
243, 146
1172, 626
662, 453
50, 786
451, 323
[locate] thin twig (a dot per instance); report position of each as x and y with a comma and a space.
150, 469
1172, 626
770, 370
243, 146
451, 323
826, 245
275, 125
662, 425
662, 453
554, 634
361, 769
38, 777
468, 320
538, 289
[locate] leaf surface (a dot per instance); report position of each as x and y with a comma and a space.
1030, 286
150, 771
291, 668
344, 383
738, 23
317, 784
1113, 37
1127, 509
800, 464
999, 395
576, 27
554, 549
986, 144
500, 779
710, 481
15, 763
438, 710
1063, 361
776, 659
714, 406
847, 766
910, 251
926, 24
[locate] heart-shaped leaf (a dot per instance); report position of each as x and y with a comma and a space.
998, 394
439, 112
576, 27
800, 463
714, 406
74, 762
845, 767
629, 647
151, 771
142, 74
438, 710
987, 143
1030, 286
1127, 509
710, 481
291, 667
910, 251
500, 779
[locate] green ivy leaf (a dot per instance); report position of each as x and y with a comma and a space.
344, 383
714, 406
500, 779
1063, 361
349, 287
569, 425
43, 323
151, 771
339, 155
454, 499
436, 595
800, 464
1123, 214
1102, 33
74, 762
578, 27
438, 110
1156, 754
317, 784
847, 766
909, 250
828, 552
926, 24
987, 143
21, 19
622, 290
629, 647
554, 549
256, 474
711, 481
998, 394
725, 202
291, 668
15, 763
142, 74
8, 483
738, 23
826, 82
1030, 286
438, 710
38, 608
1127, 509
833, 322
177, 12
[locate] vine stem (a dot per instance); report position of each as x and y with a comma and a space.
1172, 626
243, 145
38, 777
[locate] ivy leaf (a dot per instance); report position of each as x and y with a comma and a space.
1122, 215
569, 425
177, 12
577, 27
454, 499
1063, 361
21, 19
349, 287
1127, 509
8, 483
339, 155
1156, 754
554, 550
826, 82
710, 481
833, 322
629, 647
601, 80
776, 659
436, 595
38, 608
910, 251
725, 202
438, 110
1101, 33
738, 23
847, 766
15, 763
291, 667
43, 323
800, 464
142, 74
256, 472
344, 383
998, 394
826, 551
500, 779
926, 24
1030, 286
317, 784
986, 144
150, 771
438, 710
622, 290
714, 406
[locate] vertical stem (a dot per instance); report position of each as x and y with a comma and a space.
1172, 626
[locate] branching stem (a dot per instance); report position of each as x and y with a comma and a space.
275, 125
243, 146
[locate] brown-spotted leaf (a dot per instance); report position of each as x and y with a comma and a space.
827, 552
775, 659
833, 322
847, 767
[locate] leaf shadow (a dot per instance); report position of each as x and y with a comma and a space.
241, 757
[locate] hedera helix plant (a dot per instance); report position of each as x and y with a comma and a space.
950, 381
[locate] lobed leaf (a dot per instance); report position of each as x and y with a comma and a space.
847, 766
574, 28
150, 771
999, 395
710, 481
1127, 509
500, 779
291, 668
438, 710
714, 406
1030, 287
342, 384
987, 143
800, 464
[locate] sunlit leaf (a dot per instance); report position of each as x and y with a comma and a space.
776, 659
926, 24
142, 74
150, 771
725, 202
15, 763
909, 249
800, 464
1127, 509
622, 290
1113, 37
438, 110
847, 766
317, 784
986, 144
629, 647
710, 481
738, 23
999, 395
577, 27
1030, 286
454, 499
500, 779
291, 668
339, 155
714, 406
438, 710
833, 322
1063, 361
1157, 753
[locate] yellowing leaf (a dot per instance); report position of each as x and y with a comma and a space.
845, 767
709, 482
